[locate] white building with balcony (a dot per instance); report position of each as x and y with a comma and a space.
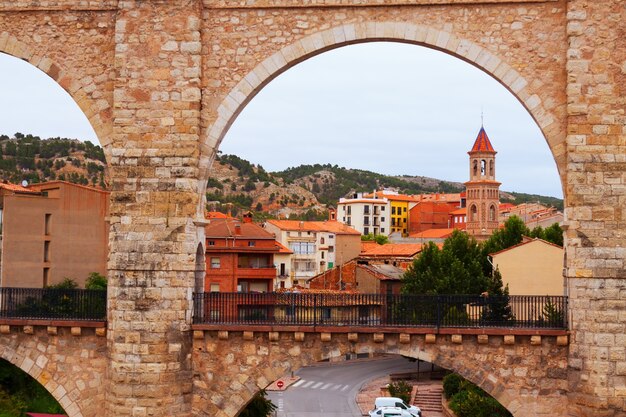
367, 215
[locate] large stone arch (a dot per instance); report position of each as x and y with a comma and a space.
96, 107
70, 367
526, 377
544, 110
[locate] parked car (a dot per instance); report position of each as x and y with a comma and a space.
408, 410
388, 412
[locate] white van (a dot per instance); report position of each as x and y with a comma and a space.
397, 402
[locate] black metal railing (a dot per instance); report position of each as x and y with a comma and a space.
53, 304
471, 311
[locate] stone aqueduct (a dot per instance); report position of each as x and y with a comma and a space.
162, 80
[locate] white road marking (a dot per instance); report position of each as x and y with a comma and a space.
326, 386
317, 385
308, 384
297, 384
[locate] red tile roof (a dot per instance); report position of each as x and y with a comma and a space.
482, 143
216, 215
323, 226
16, 188
393, 249
394, 197
282, 248
433, 233
222, 228
459, 212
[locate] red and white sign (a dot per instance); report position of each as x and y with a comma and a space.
280, 384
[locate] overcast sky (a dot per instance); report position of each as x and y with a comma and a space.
385, 107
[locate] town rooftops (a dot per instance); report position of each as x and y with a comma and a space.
393, 197
44, 186
403, 250
315, 226
459, 212
482, 143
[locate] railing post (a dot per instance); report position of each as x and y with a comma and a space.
314, 310
438, 311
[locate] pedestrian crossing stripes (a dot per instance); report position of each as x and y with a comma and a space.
302, 383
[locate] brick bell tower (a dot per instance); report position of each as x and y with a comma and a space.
483, 191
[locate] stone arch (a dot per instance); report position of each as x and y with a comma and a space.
421, 35
37, 370
486, 365
98, 111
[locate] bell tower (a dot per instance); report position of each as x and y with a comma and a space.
483, 191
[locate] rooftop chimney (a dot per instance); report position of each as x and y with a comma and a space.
238, 228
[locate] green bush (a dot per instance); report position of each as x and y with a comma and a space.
471, 401
452, 384
401, 389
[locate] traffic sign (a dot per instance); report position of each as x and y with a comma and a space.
280, 384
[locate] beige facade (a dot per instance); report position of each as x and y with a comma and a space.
59, 231
534, 267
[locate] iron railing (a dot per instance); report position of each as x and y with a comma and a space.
292, 308
53, 303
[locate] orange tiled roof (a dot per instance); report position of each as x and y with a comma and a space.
433, 233
282, 248
482, 143
459, 212
221, 228
394, 249
43, 186
217, 215
16, 188
319, 226
367, 245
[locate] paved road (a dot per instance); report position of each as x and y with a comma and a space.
329, 389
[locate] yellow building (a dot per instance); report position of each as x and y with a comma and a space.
534, 267
400, 205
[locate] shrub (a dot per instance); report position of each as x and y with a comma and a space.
401, 389
96, 281
452, 384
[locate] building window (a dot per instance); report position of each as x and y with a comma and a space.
473, 212
349, 210
366, 209
331, 236
331, 249
302, 248
215, 263
404, 209
211, 243
251, 243
382, 208
366, 220
349, 222
366, 230
492, 213
322, 254
46, 277
215, 287
46, 251
382, 219
393, 210
382, 230
47, 224
322, 240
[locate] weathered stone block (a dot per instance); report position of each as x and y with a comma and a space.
482, 339
379, 337
457, 339
222, 334
325, 337
430, 338
248, 335
353, 337
298, 336
509, 339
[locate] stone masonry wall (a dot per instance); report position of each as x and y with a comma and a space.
69, 362
596, 205
155, 199
527, 375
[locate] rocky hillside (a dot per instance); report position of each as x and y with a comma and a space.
30, 158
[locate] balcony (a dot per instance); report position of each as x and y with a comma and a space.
262, 272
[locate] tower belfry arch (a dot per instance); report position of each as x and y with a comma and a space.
482, 189
161, 81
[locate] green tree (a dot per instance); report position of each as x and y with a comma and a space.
96, 281
553, 234
259, 406
510, 235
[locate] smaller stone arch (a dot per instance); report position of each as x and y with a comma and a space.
97, 110
37, 369
473, 211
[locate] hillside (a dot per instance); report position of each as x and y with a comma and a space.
236, 185
30, 158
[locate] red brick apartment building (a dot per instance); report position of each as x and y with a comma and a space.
240, 256
51, 231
